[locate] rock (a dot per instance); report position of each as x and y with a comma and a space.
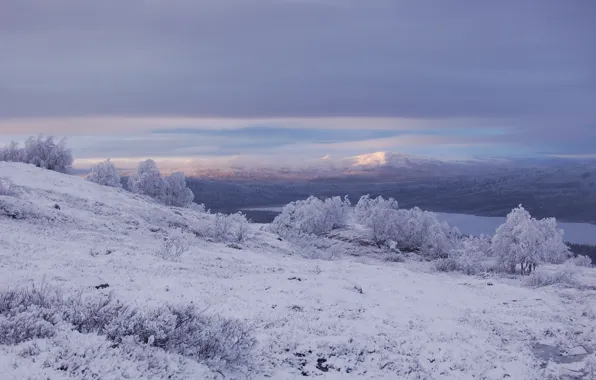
102, 286
57, 206
579, 350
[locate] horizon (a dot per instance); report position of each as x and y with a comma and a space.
218, 83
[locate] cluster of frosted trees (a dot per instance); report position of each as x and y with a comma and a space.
43, 152
521, 242
146, 180
410, 230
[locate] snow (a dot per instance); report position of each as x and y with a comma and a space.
348, 318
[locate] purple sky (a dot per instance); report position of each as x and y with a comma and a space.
215, 78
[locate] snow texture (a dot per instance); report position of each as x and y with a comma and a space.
356, 316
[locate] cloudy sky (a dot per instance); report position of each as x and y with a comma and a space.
280, 79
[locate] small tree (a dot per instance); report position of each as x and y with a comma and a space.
527, 242
147, 180
177, 193
105, 174
12, 153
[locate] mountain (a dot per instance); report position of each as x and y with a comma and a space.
381, 163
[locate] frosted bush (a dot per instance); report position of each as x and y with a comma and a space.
581, 261
467, 256
174, 246
200, 208
230, 228
421, 231
34, 313
446, 265
527, 242
105, 174
561, 276
312, 216
43, 152
306, 245
20, 209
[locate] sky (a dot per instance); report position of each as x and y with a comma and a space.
288, 80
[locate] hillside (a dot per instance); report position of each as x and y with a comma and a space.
351, 317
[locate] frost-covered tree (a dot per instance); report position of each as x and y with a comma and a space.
147, 180
171, 190
48, 154
554, 250
380, 216
527, 242
12, 153
105, 174
177, 193
366, 206
312, 216
43, 152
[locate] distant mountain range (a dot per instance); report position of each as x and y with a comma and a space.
378, 164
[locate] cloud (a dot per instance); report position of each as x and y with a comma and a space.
266, 58
227, 78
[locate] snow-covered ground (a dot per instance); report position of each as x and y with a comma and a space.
346, 318
580, 233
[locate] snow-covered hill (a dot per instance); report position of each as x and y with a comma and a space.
346, 318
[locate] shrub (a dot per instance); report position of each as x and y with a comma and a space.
42, 152
312, 216
174, 246
200, 208
419, 230
105, 174
446, 265
467, 256
27, 314
583, 249
230, 228
539, 279
581, 261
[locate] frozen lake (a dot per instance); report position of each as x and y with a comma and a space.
581, 233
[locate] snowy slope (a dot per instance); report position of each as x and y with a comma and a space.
309, 316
